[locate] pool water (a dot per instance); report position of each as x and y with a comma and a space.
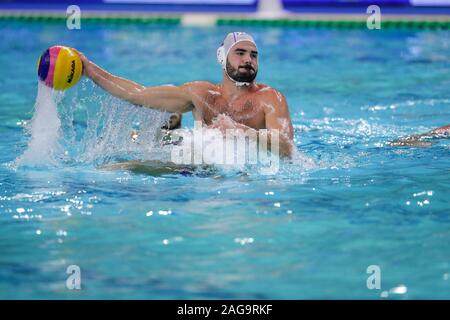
309, 231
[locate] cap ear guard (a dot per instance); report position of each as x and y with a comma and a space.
221, 56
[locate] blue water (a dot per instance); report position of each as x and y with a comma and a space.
305, 232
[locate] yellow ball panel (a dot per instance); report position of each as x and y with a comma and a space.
68, 69
39, 62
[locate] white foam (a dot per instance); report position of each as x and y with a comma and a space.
44, 129
116, 131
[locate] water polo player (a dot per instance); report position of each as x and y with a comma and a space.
236, 103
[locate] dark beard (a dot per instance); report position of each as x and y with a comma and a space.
236, 75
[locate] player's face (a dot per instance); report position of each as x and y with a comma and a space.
242, 62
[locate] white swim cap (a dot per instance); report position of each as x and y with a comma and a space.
230, 40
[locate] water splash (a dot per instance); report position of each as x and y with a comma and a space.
104, 134
43, 146
243, 153
95, 129
121, 131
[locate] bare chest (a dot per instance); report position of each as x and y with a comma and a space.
246, 110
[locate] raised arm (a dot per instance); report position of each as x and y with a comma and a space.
166, 98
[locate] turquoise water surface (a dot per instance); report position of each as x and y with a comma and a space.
309, 231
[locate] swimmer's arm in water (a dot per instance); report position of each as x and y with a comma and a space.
418, 140
442, 131
166, 98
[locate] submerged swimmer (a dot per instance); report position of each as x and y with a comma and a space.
423, 139
236, 103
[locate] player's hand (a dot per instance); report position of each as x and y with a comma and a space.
85, 61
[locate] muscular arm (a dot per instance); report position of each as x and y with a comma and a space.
278, 118
165, 98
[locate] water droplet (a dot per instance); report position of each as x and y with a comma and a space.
401, 289
165, 212
244, 241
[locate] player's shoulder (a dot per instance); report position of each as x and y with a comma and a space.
199, 85
198, 88
270, 94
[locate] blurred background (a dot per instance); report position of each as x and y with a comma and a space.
346, 202
240, 6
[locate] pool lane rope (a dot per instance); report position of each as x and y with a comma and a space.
337, 23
